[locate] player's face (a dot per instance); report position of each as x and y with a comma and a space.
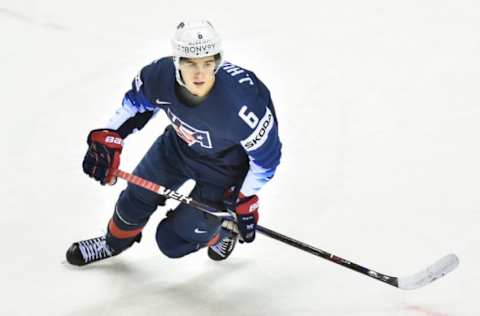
198, 74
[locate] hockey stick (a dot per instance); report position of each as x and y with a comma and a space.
433, 272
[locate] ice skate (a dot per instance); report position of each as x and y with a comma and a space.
91, 250
226, 242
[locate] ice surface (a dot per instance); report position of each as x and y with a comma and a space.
379, 115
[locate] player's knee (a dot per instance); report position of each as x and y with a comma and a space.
169, 243
193, 226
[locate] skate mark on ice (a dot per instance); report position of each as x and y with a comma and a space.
425, 311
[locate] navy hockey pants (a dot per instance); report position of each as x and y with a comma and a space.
184, 229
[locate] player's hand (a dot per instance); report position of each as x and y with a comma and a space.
103, 155
247, 216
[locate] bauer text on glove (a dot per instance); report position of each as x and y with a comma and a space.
103, 155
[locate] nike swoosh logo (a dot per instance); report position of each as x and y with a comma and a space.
158, 101
199, 231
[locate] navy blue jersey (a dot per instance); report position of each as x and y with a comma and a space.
233, 131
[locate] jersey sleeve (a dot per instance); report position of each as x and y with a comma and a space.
263, 148
136, 109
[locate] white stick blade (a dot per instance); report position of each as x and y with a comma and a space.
435, 271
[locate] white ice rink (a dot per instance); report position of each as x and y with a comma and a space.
379, 110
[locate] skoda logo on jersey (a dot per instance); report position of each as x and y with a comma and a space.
260, 134
189, 134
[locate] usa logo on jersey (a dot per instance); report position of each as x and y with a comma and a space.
189, 134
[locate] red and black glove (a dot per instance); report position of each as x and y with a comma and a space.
103, 155
247, 216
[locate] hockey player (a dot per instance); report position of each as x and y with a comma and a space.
223, 134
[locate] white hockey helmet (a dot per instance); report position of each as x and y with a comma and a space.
195, 39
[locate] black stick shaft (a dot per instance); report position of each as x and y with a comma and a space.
328, 256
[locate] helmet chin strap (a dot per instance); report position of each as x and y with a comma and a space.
178, 75
179, 78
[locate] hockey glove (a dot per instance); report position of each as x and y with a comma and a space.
103, 155
247, 216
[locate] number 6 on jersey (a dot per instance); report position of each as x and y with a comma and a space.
250, 118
